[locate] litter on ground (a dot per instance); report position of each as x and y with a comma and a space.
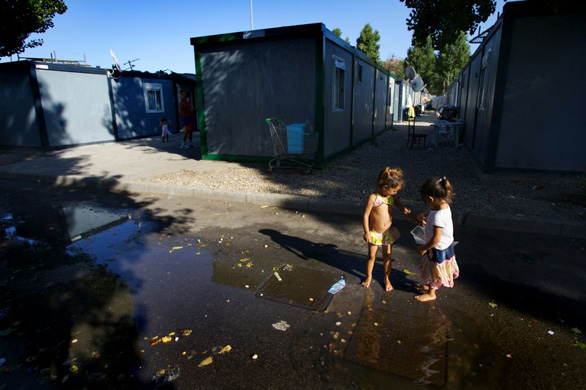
281, 325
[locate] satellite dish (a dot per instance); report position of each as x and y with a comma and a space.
410, 73
417, 84
116, 71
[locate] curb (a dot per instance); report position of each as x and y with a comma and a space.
530, 225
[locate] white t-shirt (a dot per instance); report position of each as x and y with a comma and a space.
440, 218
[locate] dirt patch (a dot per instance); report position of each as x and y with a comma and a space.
353, 177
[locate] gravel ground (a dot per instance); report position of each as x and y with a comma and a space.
353, 177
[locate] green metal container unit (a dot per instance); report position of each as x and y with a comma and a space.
301, 74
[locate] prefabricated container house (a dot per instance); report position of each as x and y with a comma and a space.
521, 92
301, 74
53, 105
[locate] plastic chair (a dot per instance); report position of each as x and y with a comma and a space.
412, 136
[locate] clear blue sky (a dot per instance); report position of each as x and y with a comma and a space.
158, 32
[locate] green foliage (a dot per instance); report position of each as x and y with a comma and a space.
395, 66
451, 59
20, 18
438, 69
443, 20
347, 40
338, 32
367, 42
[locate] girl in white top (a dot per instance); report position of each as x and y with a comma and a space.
438, 266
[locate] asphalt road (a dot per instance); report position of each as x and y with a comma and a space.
105, 290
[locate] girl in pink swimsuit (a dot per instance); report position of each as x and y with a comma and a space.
377, 221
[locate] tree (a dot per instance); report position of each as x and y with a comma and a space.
451, 60
338, 32
396, 66
20, 18
367, 42
423, 59
442, 20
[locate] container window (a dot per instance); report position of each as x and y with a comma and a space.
339, 87
153, 96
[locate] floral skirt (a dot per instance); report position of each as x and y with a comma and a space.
439, 267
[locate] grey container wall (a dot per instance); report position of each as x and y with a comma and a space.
244, 84
521, 92
76, 107
132, 118
244, 78
52, 105
18, 116
547, 131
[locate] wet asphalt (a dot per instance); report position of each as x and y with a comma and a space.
121, 291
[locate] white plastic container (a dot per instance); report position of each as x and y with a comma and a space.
419, 235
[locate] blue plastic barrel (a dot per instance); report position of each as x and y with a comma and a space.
295, 138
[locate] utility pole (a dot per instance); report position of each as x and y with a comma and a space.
251, 18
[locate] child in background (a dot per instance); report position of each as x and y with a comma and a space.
377, 221
165, 133
438, 266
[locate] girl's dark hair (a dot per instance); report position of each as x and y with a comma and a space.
163, 120
438, 188
390, 178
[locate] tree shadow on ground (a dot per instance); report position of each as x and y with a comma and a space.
70, 320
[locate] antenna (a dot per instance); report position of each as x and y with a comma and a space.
410, 73
130, 63
116, 72
417, 84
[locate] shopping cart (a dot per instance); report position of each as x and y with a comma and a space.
293, 146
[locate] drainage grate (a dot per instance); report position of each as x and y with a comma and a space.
302, 287
406, 346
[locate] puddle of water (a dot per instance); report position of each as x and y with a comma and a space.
59, 222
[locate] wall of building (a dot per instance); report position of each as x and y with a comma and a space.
18, 119
133, 120
363, 101
542, 125
76, 107
380, 102
337, 136
247, 82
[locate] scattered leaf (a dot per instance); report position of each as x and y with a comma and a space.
227, 348
406, 271
206, 361
73, 368
492, 304
580, 344
175, 248
576, 330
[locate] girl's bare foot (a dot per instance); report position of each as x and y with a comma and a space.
367, 282
426, 297
388, 285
